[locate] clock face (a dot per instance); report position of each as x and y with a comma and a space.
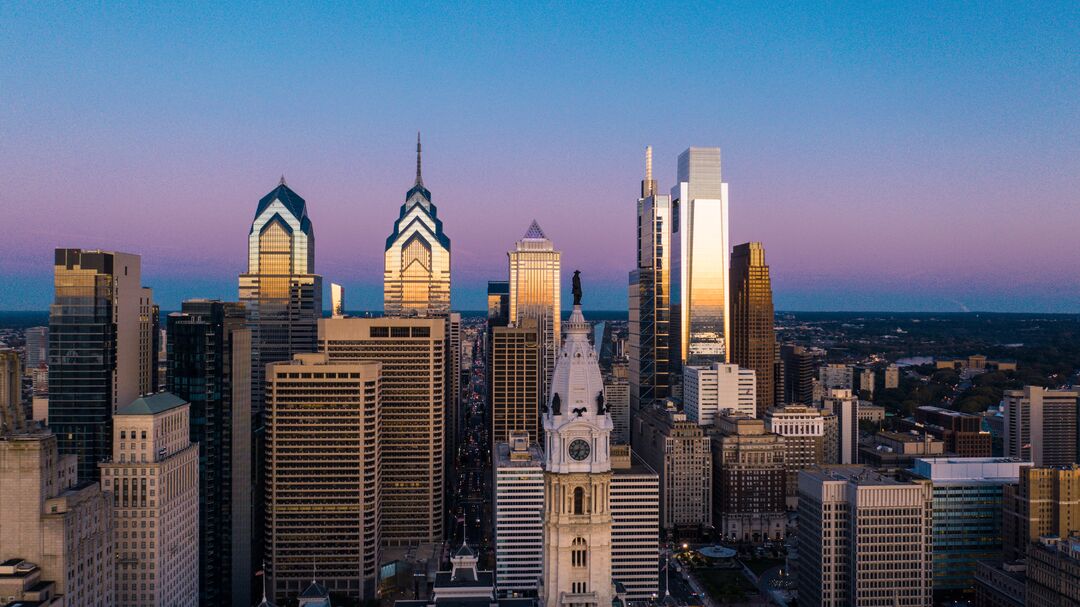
579, 449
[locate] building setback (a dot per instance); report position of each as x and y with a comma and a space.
322, 475
154, 481
412, 352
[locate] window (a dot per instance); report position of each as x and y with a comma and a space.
579, 553
579, 501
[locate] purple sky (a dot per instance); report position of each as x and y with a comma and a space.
893, 157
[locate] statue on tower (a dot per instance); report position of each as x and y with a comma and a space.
577, 288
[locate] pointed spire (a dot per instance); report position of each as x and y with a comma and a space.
648, 185
534, 231
419, 180
282, 182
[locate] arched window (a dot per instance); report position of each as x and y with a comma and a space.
579, 501
579, 553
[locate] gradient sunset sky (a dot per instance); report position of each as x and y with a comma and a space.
890, 156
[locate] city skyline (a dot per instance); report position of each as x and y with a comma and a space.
879, 155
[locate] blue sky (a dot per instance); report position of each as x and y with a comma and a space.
899, 156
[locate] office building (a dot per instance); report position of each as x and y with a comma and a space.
51, 519
100, 349
281, 293
837, 376
617, 401
37, 347
798, 365
719, 389
498, 298
700, 305
649, 292
12, 413
678, 450
208, 357
1040, 425
454, 414
845, 406
337, 300
753, 339
416, 276
516, 367
961, 432
322, 475
577, 478
1000, 583
967, 495
1046, 501
894, 452
749, 475
892, 377
864, 539
874, 414
518, 510
803, 429
1053, 572
635, 524
534, 293
412, 352
154, 481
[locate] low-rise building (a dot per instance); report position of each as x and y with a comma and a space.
961, 432
975, 362
892, 452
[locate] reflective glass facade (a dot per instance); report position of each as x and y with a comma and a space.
753, 339
534, 294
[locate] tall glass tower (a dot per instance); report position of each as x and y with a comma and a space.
416, 277
534, 294
753, 339
650, 315
700, 261
281, 293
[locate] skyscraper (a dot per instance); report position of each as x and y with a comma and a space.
845, 406
700, 306
416, 277
516, 366
1046, 501
100, 349
1040, 425
749, 476
337, 300
803, 429
323, 426
534, 293
753, 340
719, 388
209, 366
281, 293
798, 365
412, 446
650, 352
498, 301
12, 414
518, 512
154, 481
37, 347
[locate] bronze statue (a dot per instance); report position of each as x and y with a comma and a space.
600, 404
556, 404
577, 288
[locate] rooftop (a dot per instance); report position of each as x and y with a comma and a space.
152, 404
856, 475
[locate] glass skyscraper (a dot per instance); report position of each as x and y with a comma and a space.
416, 277
534, 295
101, 351
753, 338
700, 259
281, 293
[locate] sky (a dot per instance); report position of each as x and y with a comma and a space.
902, 156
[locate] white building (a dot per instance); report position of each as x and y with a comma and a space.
718, 389
845, 406
519, 507
864, 539
836, 376
892, 377
635, 524
1040, 425
803, 429
154, 481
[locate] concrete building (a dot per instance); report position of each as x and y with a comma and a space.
653, 356
281, 293
873, 414
753, 339
51, 519
1046, 501
22, 584
893, 452
412, 442
719, 389
863, 381
845, 406
12, 413
635, 524
967, 497
37, 347
892, 377
1040, 425
1000, 583
975, 362
154, 481
961, 432
208, 365
749, 477
836, 376
617, 401
534, 295
416, 270
323, 431
864, 539
518, 511
101, 353
464, 585
1053, 572
798, 366
700, 261
515, 367
803, 429
679, 450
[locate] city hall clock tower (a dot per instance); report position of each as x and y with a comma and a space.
577, 476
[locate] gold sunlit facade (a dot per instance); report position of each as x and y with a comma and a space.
753, 339
534, 293
416, 276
